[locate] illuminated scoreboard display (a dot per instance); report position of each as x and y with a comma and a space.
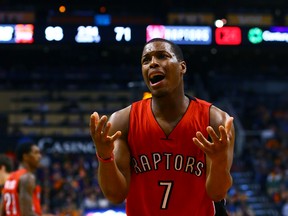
183, 35
28, 33
195, 35
90, 34
19, 33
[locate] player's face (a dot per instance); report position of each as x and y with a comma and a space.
35, 156
161, 70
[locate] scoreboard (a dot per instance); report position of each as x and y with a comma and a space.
128, 34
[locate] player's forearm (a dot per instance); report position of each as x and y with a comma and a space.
26, 211
112, 182
219, 181
25, 204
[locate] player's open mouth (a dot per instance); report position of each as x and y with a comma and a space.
156, 78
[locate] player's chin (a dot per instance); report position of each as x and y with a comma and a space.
159, 93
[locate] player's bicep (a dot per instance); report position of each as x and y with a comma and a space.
122, 158
120, 122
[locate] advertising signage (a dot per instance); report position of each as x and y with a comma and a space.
187, 35
133, 35
228, 35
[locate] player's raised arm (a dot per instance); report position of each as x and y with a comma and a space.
109, 138
219, 150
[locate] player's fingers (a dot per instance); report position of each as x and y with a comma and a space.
226, 132
105, 133
229, 124
101, 124
212, 134
202, 139
116, 136
223, 134
94, 118
105, 130
199, 144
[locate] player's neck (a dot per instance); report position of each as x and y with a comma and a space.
171, 108
26, 166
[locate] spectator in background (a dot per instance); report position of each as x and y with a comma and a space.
176, 147
43, 107
29, 121
284, 209
237, 203
90, 201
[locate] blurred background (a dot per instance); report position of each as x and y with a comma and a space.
62, 60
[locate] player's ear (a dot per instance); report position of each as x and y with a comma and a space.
183, 67
25, 156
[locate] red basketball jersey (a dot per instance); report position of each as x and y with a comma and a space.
10, 195
168, 172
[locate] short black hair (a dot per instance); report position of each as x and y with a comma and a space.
6, 162
24, 148
175, 48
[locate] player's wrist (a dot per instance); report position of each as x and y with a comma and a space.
105, 159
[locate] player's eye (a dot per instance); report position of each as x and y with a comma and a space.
145, 60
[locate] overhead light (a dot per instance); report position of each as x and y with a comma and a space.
220, 23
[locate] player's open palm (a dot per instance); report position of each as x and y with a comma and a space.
99, 130
217, 148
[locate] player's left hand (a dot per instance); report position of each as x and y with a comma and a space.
217, 148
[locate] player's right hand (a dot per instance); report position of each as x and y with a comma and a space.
99, 131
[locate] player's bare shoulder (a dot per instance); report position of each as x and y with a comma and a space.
120, 120
28, 181
217, 116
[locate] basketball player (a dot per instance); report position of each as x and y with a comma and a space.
6, 166
166, 155
21, 194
